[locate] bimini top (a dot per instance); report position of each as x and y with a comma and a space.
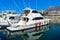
30, 13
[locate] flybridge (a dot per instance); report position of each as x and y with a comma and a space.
31, 13
31, 10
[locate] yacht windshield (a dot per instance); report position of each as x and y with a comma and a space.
26, 11
11, 18
34, 11
14, 18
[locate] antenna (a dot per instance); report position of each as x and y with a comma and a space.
9, 5
29, 4
24, 3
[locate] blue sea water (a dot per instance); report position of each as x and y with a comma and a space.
52, 34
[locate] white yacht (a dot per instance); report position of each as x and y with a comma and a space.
31, 19
7, 18
3, 22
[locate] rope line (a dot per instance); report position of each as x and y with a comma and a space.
17, 5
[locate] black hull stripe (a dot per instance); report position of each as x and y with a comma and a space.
25, 29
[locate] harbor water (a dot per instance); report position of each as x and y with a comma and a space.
52, 34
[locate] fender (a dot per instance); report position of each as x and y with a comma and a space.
37, 25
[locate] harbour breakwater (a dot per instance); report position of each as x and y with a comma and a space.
54, 19
53, 13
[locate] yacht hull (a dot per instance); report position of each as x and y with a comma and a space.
29, 29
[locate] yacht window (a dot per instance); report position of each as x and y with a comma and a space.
12, 18
17, 18
26, 19
13, 13
26, 11
34, 11
9, 12
37, 18
1, 16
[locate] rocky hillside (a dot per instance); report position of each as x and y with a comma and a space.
52, 8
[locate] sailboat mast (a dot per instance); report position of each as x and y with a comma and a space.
17, 5
36, 4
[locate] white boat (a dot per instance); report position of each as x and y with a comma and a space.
3, 22
31, 19
7, 18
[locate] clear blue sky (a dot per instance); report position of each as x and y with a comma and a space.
18, 5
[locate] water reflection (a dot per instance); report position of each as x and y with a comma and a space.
25, 35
